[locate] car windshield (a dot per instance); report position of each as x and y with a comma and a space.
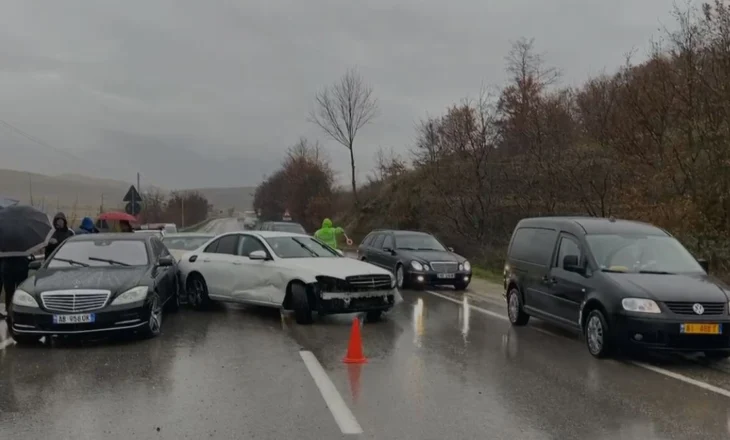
289, 227
637, 253
99, 253
170, 229
185, 243
300, 247
421, 242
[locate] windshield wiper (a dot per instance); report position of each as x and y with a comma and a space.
428, 249
614, 271
656, 272
66, 260
105, 260
307, 248
407, 248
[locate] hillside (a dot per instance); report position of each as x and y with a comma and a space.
83, 195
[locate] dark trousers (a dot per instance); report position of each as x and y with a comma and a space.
14, 272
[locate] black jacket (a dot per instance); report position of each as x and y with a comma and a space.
59, 235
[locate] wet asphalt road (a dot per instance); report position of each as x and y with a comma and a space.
439, 368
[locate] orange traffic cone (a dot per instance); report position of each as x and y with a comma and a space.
354, 349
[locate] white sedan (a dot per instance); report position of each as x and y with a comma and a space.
281, 269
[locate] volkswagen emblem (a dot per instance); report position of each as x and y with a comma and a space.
697, 307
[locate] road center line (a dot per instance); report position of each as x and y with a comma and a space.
680, 377
343, 416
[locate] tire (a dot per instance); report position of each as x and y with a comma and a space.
300, 304
173, 304
461, 286
374, 316
154, 321
597, 335
198, 292
400, 277
717, 355
515, 313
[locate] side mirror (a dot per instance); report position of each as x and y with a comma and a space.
341, 254
389, 250
165, 261
258, 255
705, 264
571, 263
451, 249
35, 265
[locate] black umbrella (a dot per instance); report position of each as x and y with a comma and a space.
24, 230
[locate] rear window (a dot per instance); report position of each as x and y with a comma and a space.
533, 245
295, 228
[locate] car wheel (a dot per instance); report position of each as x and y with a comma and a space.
597, 334
461, 286
300, 303
173, 304
198, 292
154, 321
716, 355
400, 278
374, 315
516, 314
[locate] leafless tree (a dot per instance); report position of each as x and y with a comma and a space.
342, 110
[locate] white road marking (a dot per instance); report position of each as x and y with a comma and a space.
680, 377
343, 416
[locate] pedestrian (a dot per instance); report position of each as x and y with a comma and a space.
86, 227
61, 233
125, 226
328, 234
14, 271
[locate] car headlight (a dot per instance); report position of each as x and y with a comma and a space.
416, 265
23, 298
467, 266
392, 282
640, 305
134, 294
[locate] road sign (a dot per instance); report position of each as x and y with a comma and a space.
132, 195
286, 217
133, 208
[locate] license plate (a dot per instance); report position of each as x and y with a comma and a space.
447, 276
701, 329
74, 319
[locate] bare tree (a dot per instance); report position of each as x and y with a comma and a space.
342, 110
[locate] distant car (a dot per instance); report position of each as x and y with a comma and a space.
416, 258
97, 283
182, 242
250, 219
168, 228
624, 284
292, 227
286, 270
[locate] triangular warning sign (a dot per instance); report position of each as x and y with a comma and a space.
286, 215
132, 195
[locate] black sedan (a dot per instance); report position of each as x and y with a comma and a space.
97, 283
417, 259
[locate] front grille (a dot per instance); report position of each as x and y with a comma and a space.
359, 283
685, 308
444, 266
73, 301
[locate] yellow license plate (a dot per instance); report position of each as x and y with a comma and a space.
701, 329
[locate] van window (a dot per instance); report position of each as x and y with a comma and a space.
533, 245
568, 246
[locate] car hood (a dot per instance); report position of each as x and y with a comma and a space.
114, 279
429, 256
698, 287
334, 267
178, 253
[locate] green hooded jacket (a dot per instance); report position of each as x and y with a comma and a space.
328, 234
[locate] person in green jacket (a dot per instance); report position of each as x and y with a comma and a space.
328, 234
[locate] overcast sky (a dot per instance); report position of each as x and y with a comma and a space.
195, 93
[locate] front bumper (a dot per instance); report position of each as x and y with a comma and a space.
432, 278
664, 333
332, 303
33, 321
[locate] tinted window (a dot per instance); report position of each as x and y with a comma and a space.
367, 240
228, 245
211, 248
533, 245
378, 241
89, 253
568, 246
419, 242
388, 242
250, 244
156, 247
300, 247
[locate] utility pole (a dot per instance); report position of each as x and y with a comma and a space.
182, 211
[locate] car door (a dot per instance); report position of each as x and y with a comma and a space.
165, 277
217, 266
537, 246
375, 253
387, 252
257, 281
568, 288
363, 248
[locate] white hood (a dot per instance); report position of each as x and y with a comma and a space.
334, 267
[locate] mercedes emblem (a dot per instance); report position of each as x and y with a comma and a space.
697, 307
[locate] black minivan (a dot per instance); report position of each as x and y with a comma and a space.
624, 284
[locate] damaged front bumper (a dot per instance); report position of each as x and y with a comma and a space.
353, 302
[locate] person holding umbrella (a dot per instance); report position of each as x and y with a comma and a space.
61, 233
24, 231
